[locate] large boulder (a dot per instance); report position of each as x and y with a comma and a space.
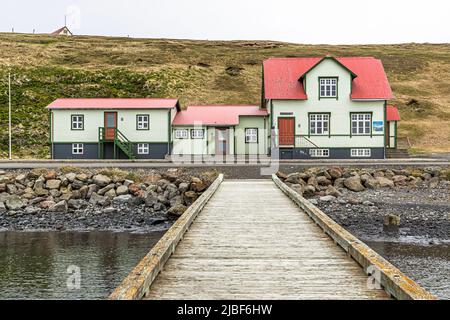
122, 190
61, 206
122, 199
15, 202
101, 180
371, 183
76, 204
177, 210
83, 177
309, 191
335, 173
183, 187
197, 184
385, 182
332, 191
354, 184
294, 178
98, 200
21, 178
105, 189
53, 184
323, 181
70, 176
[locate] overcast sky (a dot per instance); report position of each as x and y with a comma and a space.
313, 21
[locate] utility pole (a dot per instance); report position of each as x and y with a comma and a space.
9, 113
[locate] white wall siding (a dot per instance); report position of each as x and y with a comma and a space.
339, 110
126, 123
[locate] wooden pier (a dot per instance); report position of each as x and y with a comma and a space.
251, 241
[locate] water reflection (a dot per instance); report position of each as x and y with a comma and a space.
428, 265
33, 265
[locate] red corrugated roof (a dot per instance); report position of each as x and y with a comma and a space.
114, 103
281, 77
392, 113
216, 114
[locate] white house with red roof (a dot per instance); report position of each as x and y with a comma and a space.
111, 128
221, 130
329, 107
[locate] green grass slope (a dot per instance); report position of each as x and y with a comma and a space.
47, 67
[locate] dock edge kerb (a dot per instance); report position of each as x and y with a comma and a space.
393, 281
138, 282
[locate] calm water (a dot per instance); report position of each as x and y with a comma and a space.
428, 265
33, 265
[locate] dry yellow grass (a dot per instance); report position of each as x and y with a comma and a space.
198, 72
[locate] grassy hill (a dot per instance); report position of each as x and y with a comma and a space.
46, 68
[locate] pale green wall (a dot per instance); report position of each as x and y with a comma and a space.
126, 123
251, 148
340, 110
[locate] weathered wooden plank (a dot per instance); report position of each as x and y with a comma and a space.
251, 242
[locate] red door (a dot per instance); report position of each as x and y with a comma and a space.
286, 131
110, 125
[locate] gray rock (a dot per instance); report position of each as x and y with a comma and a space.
101, 180
21, 178
385, 182
151, 199
2, 207
297, 188
77, 184
15, 202
11, 189
309, 191
183, 187
61, 206
91, 189
55, 193
335, 173
122, 190
327, 198
76, 204
31, 210
104, 190
371, 183
332, 191
98, 200
354, 184
295, 178
323, 181
399, 180
339, 183
176, 201
111, 194
367, 203
171, 191
177, 210
313, 201
71, 176
82, 177
127, 182
122, 199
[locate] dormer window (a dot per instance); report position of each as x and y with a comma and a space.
328, 88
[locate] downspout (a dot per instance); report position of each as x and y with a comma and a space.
169, 132
384, 131
50, 117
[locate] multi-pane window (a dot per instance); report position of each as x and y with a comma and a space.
319, 123
181, 134
142, 121
197, 133
77, 122
328, 87
360, 152
361, 123
319, 153
143, 148
77, 148
251, 135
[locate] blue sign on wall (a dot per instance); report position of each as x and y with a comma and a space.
378, 126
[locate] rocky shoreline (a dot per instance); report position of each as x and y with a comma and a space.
407, 205
108, 199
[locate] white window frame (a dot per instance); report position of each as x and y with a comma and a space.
318, 121
142, 122
319, 153
197, 133
143, 148
77, 148
361, 123
181, 134
77, 122
360, 153
328, 87
251, 135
